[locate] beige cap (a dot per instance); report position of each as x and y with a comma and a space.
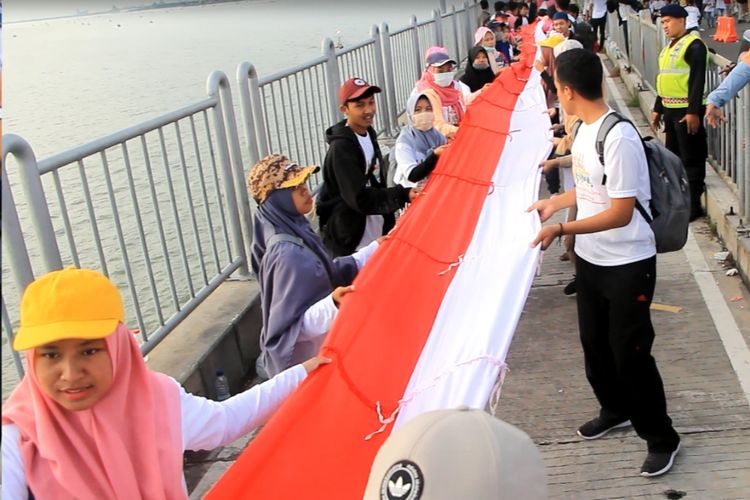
457, 454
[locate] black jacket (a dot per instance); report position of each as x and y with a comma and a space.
346, 200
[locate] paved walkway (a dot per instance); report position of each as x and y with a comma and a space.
546, 393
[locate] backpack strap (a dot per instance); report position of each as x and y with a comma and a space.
574, 128
295, 240
608, 124
279, 237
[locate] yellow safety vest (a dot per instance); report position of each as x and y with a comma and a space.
674, 73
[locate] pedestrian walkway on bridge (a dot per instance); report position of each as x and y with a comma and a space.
700, 316
702, 323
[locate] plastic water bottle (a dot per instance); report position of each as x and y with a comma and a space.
222, 386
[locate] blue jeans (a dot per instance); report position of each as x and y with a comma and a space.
710, 20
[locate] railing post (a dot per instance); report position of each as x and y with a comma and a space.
415, 41
438, 26
442, 6
468, 31
246, 73
32, 185
454, 20
233, 172
13, 240
390, 81
333, 80
380, 74
744, 155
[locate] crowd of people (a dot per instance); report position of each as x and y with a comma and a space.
89, 406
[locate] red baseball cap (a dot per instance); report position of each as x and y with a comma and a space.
354, 88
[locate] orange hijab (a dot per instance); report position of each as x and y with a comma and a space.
127, 446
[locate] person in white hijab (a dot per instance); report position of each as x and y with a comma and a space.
419, 144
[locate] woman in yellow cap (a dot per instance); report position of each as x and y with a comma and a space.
89, 420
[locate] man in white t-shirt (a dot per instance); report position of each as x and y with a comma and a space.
694, 16
597, 12
615, 265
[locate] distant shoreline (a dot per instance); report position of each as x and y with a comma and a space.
137, 8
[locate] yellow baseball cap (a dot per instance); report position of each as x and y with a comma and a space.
552, 41
70, 303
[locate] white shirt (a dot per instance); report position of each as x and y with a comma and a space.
318, 317
599, 9
624, 9
656, 6
693, 16
626, 176
374, 223
206, 424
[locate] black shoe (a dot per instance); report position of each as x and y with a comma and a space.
570, 288
658, 463
598, 427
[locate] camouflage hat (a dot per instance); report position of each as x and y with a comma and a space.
276, 172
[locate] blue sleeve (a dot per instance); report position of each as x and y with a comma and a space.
732, 84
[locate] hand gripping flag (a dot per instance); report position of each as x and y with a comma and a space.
434, 310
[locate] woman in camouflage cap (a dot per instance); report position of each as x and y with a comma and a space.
300, 285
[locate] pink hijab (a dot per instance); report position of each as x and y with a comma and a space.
127, 446
479, 34
449, 96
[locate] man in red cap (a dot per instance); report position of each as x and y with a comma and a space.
355, 206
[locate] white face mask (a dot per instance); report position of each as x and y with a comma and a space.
424, 121
489, 49
444, 79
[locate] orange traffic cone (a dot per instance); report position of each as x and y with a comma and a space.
725, 30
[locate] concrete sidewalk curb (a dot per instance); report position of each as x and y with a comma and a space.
721, 201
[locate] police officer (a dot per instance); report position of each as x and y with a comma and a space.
681, 102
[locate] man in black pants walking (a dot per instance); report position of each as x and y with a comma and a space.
615, 265
598, 14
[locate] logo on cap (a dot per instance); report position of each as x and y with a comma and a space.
403, 481
359, 82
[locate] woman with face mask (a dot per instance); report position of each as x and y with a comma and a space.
478, 72
448, 96
419, 144
485, 38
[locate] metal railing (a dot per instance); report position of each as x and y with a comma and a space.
162, 208
158, 207
729, 144
289, 110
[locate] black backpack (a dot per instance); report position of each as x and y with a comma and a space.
670, 194
612, 5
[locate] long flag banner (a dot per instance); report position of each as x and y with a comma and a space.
434, 311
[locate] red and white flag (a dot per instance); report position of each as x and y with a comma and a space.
434, 310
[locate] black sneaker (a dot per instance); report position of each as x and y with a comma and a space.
598, 427
657, 464
570, 288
